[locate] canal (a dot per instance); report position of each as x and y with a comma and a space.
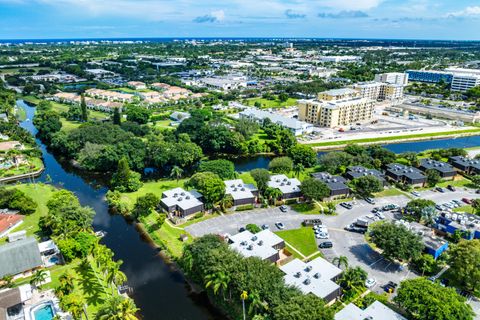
158, 290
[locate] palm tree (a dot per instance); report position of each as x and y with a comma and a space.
66, 283
273, 194
226, 202
298, 168
218, 281
6, 281
73, 303
339, 261
38, 277
256, 303
331, 207
176, 173
117, 308
353, 278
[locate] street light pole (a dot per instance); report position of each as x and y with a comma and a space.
244, 296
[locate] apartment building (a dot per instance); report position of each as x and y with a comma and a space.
336, 108
392, 78
379, 90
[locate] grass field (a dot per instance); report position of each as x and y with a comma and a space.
301, 239
394, 138
306, 208
40, 193
34, 164
272, 103
155, 187
163, 124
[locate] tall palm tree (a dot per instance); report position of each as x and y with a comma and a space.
117, 308
353, 278
226, 202
176, 173
67, 282
339, 261
218, 281
73, 303
298, 168
38, 277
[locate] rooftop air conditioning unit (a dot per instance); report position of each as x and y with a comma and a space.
254, 238
182, 194
250, 247
307, 281
308, 269
298, 274
260, 243
180, 199
187, 197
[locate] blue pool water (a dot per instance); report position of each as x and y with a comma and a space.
44, 313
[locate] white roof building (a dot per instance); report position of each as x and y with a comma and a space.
264, 244
185, 202
376, 311
286, 185
297, 127
317, 277
241, 192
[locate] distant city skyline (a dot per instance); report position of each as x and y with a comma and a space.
375, 19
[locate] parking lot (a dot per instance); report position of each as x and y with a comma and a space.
349, 244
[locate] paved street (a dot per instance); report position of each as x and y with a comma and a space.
349, 244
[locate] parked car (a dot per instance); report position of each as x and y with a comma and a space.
354, 228
440, 189
346, 205
311, 222
265, 226
280, 225
467, 201
415, 193
325, 245
390, 207
438, 207
370, 200
451, 188
390, 287
380, 215
375, 210
458, 203
370, 282
322, 235
241, 229
283, 208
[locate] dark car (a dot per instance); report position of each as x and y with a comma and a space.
440, 189
370, 200
311, 222
325, 245
241, 229
451, 188
358, 229
390, 287
283, 208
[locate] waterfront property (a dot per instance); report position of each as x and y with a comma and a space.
181, 203
405, 174
18, 257
242, 193
290, 187
12, 300
356, 172
445, 170
375, 311
336, 184
465, 165
8, 222
316, 277
265, 244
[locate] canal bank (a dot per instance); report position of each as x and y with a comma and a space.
159, 290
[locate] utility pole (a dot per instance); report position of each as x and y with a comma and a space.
244, 297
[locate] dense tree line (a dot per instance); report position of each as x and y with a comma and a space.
17, 200
210, 263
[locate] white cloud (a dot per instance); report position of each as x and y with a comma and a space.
351, 4
473, 11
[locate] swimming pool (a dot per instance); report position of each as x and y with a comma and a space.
44, 312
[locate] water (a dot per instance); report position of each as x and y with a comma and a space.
158, 289
261, 161
44, 313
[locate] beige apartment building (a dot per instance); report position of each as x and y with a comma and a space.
379, 90
331, 112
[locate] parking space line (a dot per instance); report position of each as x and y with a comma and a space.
370, 265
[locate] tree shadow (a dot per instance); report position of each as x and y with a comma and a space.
93, 290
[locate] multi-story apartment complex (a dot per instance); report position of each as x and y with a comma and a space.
336, 108
392, 78
379, 90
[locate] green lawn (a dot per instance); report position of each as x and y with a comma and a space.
247, 178
34, 164
393, 138
460, 183
163, 124
155, 187
272, 103
92, 114
390, 192
306, 208
167, 236
40, 193
301, 239
467, 208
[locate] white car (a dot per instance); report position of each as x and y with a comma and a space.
370, 282
322, 235
380, 215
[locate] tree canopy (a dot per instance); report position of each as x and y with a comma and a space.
281, 165
465, 263
314, 189
224, 168
210, 185
366, 185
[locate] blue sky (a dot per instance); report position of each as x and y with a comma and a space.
407, 19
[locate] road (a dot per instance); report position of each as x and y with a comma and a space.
351, 245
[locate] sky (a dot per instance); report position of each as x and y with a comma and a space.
386, 19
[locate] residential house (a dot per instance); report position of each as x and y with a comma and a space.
375, 311
265, 244
356, 172
8, 222
445, 170
137, 85
405, 174
290, 188
465, 165
242, 193
19, 257
316, 277
178, 202
336, 184
12, 300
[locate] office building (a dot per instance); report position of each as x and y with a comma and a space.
464, 82
393, 78
315, 277
356, 172
465, 165
264, 244
430, 76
